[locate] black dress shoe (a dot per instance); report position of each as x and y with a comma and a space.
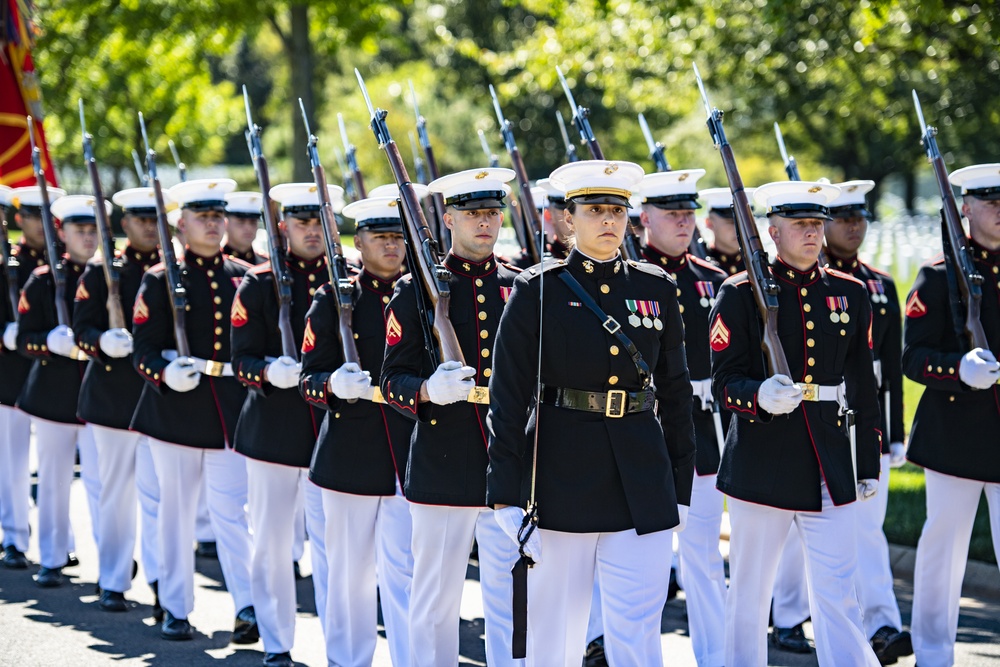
891, 644
14, 558
245, 629
112, 601
72, 560
49, 577
175, 629
791, 639
278, 660
157, 609
594, 655
207, 550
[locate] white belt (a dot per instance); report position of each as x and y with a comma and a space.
205, 366
703, 390
878, 372
822, 393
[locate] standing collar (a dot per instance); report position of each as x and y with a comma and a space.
790, 274
467, 267
668, 262
137, 257
847, 264
248, 256
595, 268
305, 265
380, 285
191, 258
982, 254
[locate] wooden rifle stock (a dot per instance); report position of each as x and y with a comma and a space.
957, 250
116, 316
10, 270
275, 241
175, 286
531, 221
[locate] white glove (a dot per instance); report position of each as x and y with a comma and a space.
979, 369
510, 520
897, 454
867, 488
349, 382
10, 336
682, 512
283, 372
180, 374
779, 395
116, 343
61, 341
450, 383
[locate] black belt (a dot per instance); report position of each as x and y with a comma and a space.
615, 403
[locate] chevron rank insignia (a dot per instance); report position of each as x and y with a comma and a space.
140, 312
81, 293
22, 304
238, 315
718, 335
915, 307
393, 330
308, 339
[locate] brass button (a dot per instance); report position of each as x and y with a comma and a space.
808, 378
811, 361
411, 401
806, 307
810, 325
613, 379
218, 300
614, 350
810, 342
838, 422
487, 372
951, 398
680, 307
484, 334
951, 371
336, 415
481, 298
210, 272
218, 331
482, 315
678, 291
881, 311
803, 291
214, 285
355, 336
479, 282
385, 299
218, 345
605, 289
739, 402
843, 333
218, 315
434, 422
108, 368
939, 369
485, 352
312, 277
312, 291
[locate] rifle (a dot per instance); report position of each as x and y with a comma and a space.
516, 219
49, 227
531, 224
956, 245
762, 283
336, 264
116, 317
345, 175
656, 152
631, 248
10, 269
791, 166
491, 157
426, 264
143, 178
352, 162
275, 242
181, 167
571, 155
418, 162
443, 235
175, 286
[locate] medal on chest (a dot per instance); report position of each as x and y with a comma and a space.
645, 313
838, 309
706, 291
877, 291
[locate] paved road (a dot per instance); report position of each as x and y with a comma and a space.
57, 627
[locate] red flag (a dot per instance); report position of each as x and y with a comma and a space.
19, 96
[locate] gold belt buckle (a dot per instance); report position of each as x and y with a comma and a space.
616, 404
214, 368
810, 392
78, 354
377, 396
479, 395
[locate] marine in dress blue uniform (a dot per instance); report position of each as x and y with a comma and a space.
243, 218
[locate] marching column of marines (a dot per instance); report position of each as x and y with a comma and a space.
602, 404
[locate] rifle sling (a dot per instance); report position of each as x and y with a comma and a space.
954, 295
610, 324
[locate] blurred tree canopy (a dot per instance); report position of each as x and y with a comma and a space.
837, 75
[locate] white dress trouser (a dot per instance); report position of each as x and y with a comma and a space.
15, 479
116, 458
90, 475
369, 539
149, 503
299, 538
180, 470
830, 540
632, 573
704, 572
442, 539
56, 443
874, 583
203, 523
272, 489
316, 527
942, 553
790, 597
